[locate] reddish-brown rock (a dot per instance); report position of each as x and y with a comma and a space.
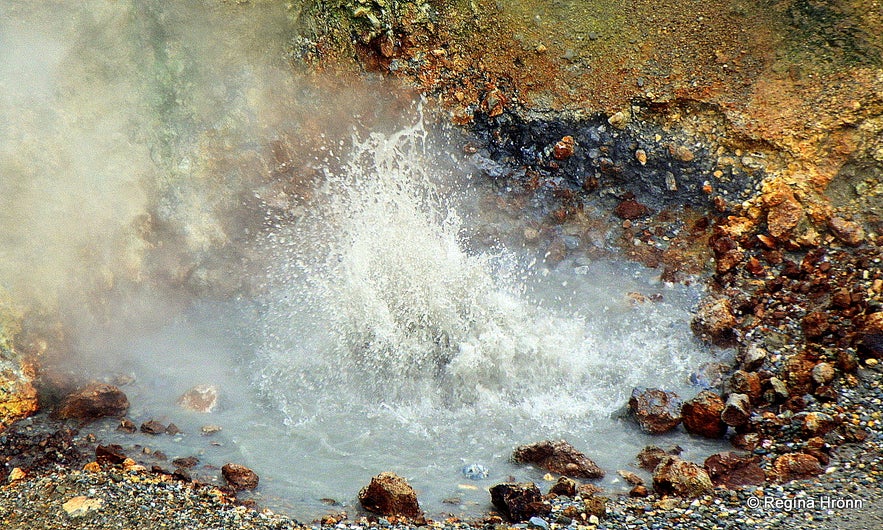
674, 476
630, 477
631, 209
733, 471
650, 456
869, 339
846, 231
596, 506
727, 253
748, 383
558, 457
784, 212
816, 423
657, 411
240, 477
715, 322
153, 427
702, 415
519, 501
390, 494
639, 491
565, 486
127, 426
795, 466
109, 455
815, 325
97, 400
564, 148
798, 373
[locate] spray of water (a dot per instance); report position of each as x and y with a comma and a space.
379, 297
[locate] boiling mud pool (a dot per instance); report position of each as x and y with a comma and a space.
386, 328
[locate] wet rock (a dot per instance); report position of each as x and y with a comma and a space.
109, 455
823, 373
733, 471
474, 471
631, 478
816, 423
186, 462
153, 427
519, 501
702, 415
650, 456
715, 322
558, 457
846, 231
639, 491
37, 451
631, 209
587, 490
127, 426
201, 398
815, 325
239, 477
795, 466
674, 476
172, 429
390, 494
563, 148
556, 251
565, 486
737, 410
97, 400
748, 383
657, 411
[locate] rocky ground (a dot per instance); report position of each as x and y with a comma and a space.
752, 163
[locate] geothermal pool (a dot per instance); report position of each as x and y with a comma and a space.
321, 251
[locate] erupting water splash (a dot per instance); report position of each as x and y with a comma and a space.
379, 297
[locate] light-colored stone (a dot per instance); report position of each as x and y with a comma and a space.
82, 505
200, 398
16, 474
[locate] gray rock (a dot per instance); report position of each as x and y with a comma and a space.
657, 411
737, 410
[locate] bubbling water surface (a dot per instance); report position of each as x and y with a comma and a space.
398, 320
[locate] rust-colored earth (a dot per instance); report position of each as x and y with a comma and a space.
801, 76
